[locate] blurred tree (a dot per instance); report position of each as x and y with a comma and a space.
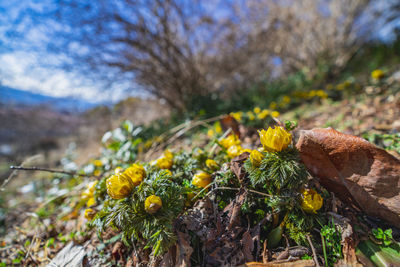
183, 51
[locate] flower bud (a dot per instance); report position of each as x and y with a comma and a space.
152, 204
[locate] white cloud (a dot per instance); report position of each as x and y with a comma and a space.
19, 70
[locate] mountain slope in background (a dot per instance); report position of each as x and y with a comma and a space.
15, 97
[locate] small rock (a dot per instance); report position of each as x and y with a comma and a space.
69, 256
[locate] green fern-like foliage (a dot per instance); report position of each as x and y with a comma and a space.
299, 225
282, 175
278, 171
130, 217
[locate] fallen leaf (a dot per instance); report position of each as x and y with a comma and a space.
229, 122
298, 263
184, 250
355, 170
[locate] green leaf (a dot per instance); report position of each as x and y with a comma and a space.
381, 256
388, 233
378, 233
274, 237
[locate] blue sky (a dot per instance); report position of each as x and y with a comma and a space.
19, 66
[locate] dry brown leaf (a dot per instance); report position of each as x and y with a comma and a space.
299, 263
184, 250
248, 246
229, 122
355, 170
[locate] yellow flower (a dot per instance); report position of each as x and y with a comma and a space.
347, 83
322, 94
286, 99
256, 157
168, 154
89, 214
97, 163
217, 127
257, 110
230, 141
164, 163
274, 140
234, 151
119, 186
236, 115
273, 105
377, 74
97, 173
91, 202
311, 201
168, 172
340, 86
263, 114
88, 193
201, 179
148, 144
136, 173
329, 86
275, 114
210, 133
152, 204
251, 115
212, 164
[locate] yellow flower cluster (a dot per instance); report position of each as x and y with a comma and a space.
311, 201
233, 146
88, 194
201, 179
237, 115
229, 141
275, 139
166, 161
121, 184
217, 129
257, 113
311, 94
152, 204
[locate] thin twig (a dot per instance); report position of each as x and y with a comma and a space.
46, 170
237, 189
313, 251
14, 173
222, 137
178, 131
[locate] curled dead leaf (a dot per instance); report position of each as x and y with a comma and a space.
357, 171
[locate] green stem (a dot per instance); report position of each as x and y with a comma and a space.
324, 250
